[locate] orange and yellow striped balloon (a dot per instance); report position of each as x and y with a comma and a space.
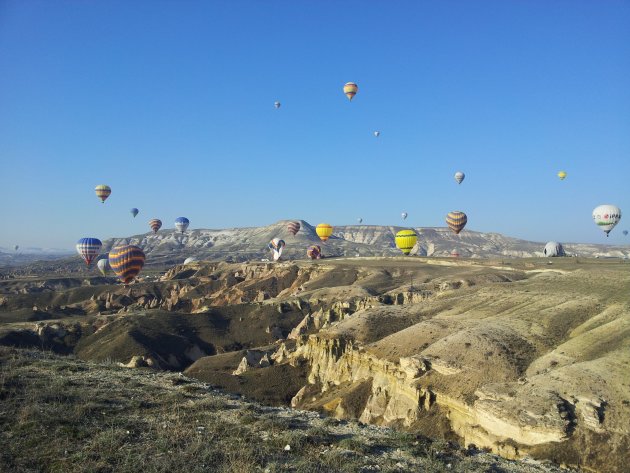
406, 240
456, 221
126, 261
102, 192
324, 231
350, 89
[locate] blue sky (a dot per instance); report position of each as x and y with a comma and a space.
171, 104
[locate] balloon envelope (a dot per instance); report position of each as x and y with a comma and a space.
377, 133
103, 265
293, 227
562, 175
606, 217
88, 248
625, 232
277, 104
276, 246
459, 177
360, 220
190, 259
102, 192
155, 224
134, 212
314, 252
16, 247
324, 231
350, 89
404, 215
456, 221
181, 223
553, 248
126, 261
406, 240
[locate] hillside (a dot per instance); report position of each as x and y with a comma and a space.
169, 247
526, 357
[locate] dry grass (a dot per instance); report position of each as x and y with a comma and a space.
63, 415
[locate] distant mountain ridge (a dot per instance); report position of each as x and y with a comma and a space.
240, 244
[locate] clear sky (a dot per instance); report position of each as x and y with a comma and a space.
171, 103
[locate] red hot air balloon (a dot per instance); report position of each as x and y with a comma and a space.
293, 227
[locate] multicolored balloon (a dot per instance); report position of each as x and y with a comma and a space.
89, 248
456, 221
126, 261
562, 175
350, 89
455, 253
324, 231
181, 223
102, 192
606, 217
276, 246
134, 212
155, 224
459, 177
314, 252
103, 266
406, 240
404, 215
293, 227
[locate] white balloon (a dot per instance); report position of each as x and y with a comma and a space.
606, 217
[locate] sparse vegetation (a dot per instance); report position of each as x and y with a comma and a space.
60, 414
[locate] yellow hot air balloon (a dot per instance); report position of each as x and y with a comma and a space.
350, 89
406, 240
562, 175
102, 192
324, 231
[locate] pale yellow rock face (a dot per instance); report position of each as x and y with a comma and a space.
518, 367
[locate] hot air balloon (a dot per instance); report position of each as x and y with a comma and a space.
360, 220
276, 246
277, 104
181, 223
459, 177
103, 266
293, 227
562, 175
324, 231
102, 192
625, 232
16, 247
406, 240
350, 89
553, 248
606, 217
377, 133
404, 215
155, 224
190, 259
134, 212
126, 261
455, 253
456, 221
314, 252
89, 248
